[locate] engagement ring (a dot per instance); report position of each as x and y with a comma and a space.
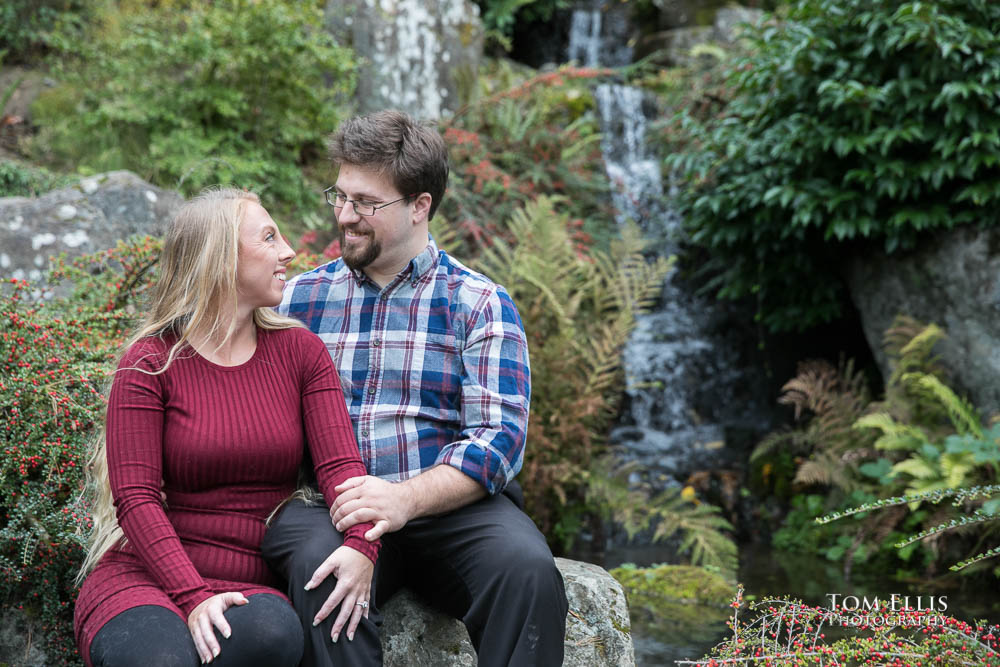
363, 605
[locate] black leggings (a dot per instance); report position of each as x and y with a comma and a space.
265, 632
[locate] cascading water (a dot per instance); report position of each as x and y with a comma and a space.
688, 395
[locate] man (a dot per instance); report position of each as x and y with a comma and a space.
434, 364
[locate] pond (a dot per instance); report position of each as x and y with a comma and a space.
765, 572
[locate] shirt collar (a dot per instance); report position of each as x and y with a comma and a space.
417, 267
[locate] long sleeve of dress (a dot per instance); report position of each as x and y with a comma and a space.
330, 434
135, 460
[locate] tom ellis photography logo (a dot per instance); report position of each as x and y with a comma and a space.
894, 610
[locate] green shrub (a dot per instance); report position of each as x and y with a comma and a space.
229, 92
500, 16
848, 121
18, 180
29, 28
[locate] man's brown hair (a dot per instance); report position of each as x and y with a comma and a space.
411, 154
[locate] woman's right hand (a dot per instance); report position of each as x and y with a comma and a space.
353, 571
209, 613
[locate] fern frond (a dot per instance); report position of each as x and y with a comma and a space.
827, 469
702, 529
909, 345
963, 415
918, 468
895, 435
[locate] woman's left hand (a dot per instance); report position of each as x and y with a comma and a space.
353, 571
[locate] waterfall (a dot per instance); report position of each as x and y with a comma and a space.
687, 390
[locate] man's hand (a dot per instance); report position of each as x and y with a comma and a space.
389, 506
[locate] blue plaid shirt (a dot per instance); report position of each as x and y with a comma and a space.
434, 366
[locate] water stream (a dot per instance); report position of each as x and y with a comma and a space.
688, 391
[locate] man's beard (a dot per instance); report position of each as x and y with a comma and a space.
358, 259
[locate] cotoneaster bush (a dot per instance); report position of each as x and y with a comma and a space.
55, 357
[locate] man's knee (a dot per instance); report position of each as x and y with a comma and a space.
533, 571
299, 539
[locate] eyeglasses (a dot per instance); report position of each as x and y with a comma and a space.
338, 200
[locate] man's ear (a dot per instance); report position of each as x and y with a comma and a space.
421, 208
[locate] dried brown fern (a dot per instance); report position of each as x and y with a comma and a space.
827, 401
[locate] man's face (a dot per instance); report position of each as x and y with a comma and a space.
376, 241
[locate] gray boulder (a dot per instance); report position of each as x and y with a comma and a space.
414, 52
597, 630
951, 279
676, 46
85, 218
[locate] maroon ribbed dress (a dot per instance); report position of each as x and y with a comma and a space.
227, 442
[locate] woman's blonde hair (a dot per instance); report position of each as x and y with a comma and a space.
196, 292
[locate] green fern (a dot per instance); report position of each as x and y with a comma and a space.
703, 532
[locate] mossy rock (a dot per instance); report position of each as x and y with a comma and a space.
676, 603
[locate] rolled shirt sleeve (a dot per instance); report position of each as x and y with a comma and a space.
495, 396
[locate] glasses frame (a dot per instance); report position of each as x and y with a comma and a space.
331, 199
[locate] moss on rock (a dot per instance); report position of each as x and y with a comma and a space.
676, 603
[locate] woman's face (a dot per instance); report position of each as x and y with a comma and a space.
260, 273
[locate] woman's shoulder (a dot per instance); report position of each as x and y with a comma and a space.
147, 353
294, 337
297, 344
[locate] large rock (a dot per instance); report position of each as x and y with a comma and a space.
597, 631
86, 218
677, 46
951, 279
415, 52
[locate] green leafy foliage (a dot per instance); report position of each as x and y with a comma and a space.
500, 16
847, 121
969, 499
228, 92
920, 437
17, 180
525, 135
702, 532
29, 28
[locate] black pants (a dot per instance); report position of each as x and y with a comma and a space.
265, 633
485, 564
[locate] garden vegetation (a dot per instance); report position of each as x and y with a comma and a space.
841, 124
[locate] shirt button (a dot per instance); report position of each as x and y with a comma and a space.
365, 433
385, 297
376, 342
371, 390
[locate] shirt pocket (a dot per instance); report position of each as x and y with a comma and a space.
433, 374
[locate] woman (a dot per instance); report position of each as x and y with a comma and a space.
211, 403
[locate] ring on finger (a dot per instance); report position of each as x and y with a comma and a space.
363, 605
